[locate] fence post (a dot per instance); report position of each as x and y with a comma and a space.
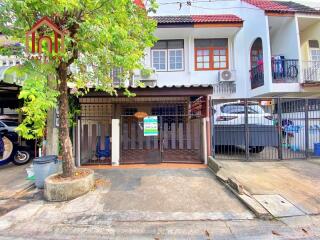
306, 110
78, 142
279, 110
213, 149
246, 128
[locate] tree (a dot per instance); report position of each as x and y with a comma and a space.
100, 35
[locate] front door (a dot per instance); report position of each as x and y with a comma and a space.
135, 147
179, 140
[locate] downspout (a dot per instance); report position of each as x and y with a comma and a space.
299, 50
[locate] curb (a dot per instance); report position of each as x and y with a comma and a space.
238, 189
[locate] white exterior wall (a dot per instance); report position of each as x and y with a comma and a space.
284, 40
240, 42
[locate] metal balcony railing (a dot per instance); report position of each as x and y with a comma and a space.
285, 70
9, 61
311, 71
224, 88
257, 76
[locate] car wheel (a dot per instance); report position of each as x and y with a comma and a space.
257, 149
21, 157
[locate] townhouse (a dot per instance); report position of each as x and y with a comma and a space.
206, 50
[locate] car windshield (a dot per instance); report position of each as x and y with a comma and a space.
11, 123
240, 109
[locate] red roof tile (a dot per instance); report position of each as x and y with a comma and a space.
271, 6
139, 3
191, 19
216, 19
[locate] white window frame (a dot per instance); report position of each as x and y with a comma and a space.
182, 61
165, 62
311, 55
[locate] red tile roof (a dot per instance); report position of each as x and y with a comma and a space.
282, 7
191, 19
270, 6
216, 19
139, 3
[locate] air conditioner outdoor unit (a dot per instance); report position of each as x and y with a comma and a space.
227, 76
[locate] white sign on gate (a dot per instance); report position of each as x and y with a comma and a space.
150, 126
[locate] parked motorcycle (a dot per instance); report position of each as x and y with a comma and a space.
11, 151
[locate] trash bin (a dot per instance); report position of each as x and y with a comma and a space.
44, 167
317, 149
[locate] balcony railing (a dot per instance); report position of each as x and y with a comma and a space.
285, 70
311, 71
257, 76
224, 88
9, 61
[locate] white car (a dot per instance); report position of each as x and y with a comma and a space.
8, 125
233, 113
229, 122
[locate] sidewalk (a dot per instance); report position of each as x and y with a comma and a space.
298, 182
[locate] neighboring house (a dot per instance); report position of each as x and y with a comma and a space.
9, 83
270, 48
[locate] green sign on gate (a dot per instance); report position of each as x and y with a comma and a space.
150, 126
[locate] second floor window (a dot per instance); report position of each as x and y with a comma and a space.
211, 54
167, 55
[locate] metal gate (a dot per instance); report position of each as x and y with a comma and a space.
179, 140
266, 128
95, 139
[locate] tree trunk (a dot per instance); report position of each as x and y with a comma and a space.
68, 163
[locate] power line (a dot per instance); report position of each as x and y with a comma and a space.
193, 4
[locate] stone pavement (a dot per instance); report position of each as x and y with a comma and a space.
296, 181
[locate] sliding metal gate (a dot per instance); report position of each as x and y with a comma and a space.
180, 140
266, 128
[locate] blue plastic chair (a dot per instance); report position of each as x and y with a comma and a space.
106, 152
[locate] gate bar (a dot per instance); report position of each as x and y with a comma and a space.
306, 110
279, 110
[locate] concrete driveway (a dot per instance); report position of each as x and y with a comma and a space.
296, 181
150, 204
13, 180
169, 194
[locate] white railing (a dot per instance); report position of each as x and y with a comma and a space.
9, 61
311, 71
224, 88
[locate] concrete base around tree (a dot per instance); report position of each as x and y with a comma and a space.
67, 189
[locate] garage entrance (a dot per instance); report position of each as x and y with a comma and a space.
266, 128
179, 140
